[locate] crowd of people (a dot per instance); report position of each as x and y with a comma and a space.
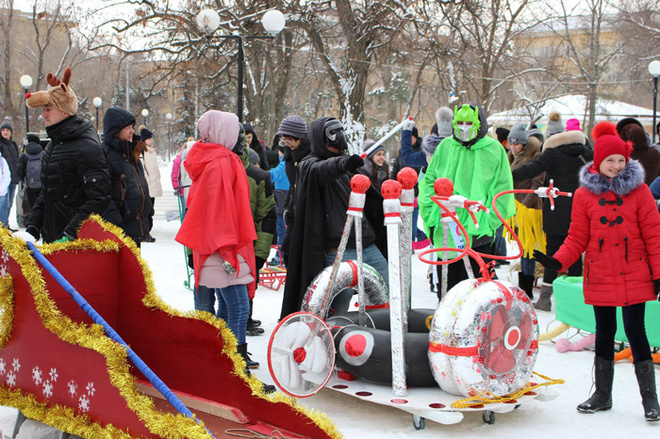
240, 198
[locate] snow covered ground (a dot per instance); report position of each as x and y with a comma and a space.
358, 419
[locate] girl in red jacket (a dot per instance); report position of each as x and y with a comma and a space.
616, 223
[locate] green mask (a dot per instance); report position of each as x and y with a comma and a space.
466, 122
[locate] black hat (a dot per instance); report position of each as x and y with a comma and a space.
502, 133
145, 134
33, 138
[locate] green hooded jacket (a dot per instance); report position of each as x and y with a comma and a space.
262, 203
479, 173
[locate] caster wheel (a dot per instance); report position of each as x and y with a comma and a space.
489, 417
419, 422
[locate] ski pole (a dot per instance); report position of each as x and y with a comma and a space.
384, 138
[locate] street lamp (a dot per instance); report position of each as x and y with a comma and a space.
654, 70
168, 116
145, 113
97, 101
26, 82
273, 22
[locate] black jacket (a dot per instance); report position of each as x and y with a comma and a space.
562, 157
9, 151
292, 159
323, 189
132, 208
74, 179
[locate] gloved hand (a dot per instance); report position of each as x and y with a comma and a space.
408, 125
259, 262
27, 237
32, 230
547, 261
353, 163
190, 262
657, 288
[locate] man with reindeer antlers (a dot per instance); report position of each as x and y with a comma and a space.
75, 181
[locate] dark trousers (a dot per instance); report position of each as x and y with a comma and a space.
456, 272
553, 242
633, 323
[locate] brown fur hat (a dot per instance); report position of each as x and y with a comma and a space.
59, 95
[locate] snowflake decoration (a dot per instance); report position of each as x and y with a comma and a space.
90, 389
73, 388
48, 389
53, 374
84, 403
36, 375
5, 256
16, 365
3, 271
2, 366
11, 379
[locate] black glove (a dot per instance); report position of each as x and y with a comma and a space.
32, 230
259, 262
190, 261
547, 261
353, 163
657, 288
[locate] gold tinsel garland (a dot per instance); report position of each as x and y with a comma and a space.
152, 300
91, 337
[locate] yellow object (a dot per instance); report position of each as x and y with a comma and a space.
529, 225
487, 398
555, 332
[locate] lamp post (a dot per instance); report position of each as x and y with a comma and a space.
145, 113
97, 101
26, 82
168, 116
273, 22
654, 70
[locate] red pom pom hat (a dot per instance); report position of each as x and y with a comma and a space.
608, 142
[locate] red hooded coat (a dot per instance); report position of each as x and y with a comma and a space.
219, 218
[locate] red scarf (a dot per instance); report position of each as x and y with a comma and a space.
219, 218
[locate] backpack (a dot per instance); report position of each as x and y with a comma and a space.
33, 171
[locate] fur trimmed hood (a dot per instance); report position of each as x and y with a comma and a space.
630, 179
565, 138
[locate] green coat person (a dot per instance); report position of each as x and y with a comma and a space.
478, 166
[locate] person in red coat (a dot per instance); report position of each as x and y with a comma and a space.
218, 225
616, 223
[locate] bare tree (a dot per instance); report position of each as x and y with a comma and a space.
6, 21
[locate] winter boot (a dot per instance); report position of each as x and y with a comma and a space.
602, 397
645, 372
544, 303
242, 351
526, 283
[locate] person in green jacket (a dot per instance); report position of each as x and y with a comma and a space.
478, 166
262, 203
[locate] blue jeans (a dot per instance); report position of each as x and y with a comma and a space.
370, 256
4, 200
527, 266
417, 234
281, 229
6, 205
233, 306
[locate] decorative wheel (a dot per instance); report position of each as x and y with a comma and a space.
484, 338
301, 354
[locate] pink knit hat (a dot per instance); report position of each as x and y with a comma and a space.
573, 125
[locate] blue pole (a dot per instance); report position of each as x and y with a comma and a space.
96, 317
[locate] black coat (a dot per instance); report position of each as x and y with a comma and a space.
292, 159
323, 189
9, 151
130, 192
74, 179
562, 157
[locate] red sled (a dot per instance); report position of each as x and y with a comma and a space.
58, 367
